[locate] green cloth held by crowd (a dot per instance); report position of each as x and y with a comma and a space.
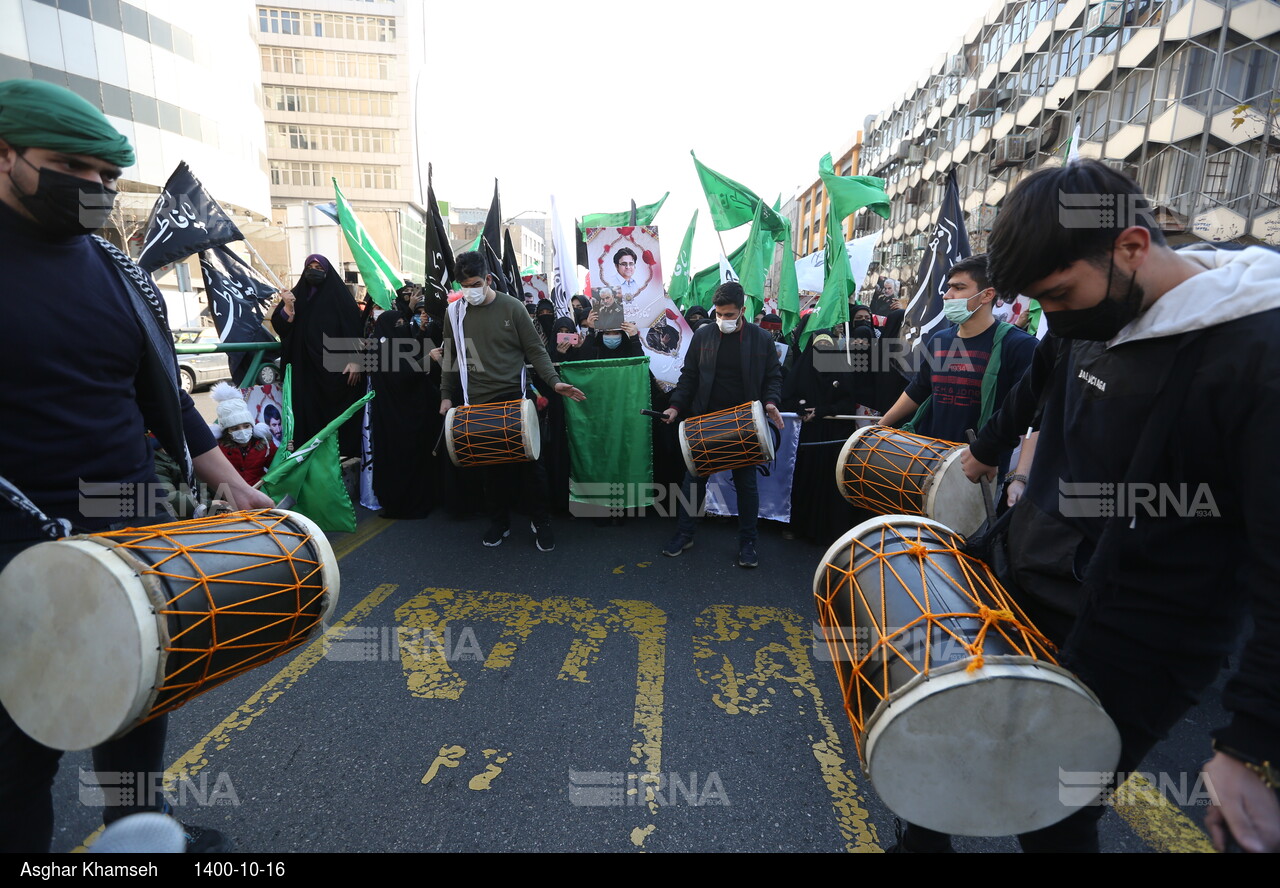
36, 114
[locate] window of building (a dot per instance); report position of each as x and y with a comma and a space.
279, 21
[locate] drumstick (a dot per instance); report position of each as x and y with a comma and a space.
435, 451
986, 489
654, 413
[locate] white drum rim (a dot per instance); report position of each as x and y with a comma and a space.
37, 718
845, 538
764, 431
329, 573
531, 429
847, 449
685, 451
955, 676
934, 485
448, 436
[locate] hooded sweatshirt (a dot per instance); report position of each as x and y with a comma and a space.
1201, 545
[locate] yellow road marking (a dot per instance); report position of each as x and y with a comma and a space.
740, 692
1157, 821
449, 757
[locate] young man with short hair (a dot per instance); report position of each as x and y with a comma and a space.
969, 367
1167, 380
728, 363
499, 337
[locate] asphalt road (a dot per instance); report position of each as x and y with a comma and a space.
599, 697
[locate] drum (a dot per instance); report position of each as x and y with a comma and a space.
726, 439
486, 434
891, 472
962, 718
99, 633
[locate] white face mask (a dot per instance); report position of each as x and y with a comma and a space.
242, 436
727, 326
473, 295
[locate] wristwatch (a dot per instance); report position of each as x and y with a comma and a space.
1267, 772
1014, 476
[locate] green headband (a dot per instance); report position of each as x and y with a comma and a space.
36, 114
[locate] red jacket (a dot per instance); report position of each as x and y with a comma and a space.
251, 460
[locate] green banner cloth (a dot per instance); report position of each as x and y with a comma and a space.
610, 443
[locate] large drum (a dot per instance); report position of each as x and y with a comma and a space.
891, 472
727, 439
487, 434
102, 632
963, 720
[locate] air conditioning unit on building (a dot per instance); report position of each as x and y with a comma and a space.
1009, 151
915, 154
988, 101
904, 150
920, 241
1104, 18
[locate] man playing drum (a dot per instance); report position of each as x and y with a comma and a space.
728, 363
499, 337
1181, 539
80, 405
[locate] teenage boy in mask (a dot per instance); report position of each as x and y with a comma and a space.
498, 338
952, 391
85, 402
727, 364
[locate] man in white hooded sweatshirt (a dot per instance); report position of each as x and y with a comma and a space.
1160, 377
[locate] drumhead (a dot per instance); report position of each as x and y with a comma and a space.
448, 435
80, 646
836, 549
952, 498
764, 431
982, 753
531, 429
685, 451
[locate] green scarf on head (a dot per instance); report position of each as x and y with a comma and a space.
36, 114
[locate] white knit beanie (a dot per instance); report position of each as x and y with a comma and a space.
232, 410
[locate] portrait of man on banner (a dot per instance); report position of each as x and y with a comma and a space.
535, 288
628, 261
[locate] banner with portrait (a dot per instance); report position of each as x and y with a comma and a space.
626, 267
535, 288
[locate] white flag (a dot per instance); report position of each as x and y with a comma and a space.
726, 270
564, 273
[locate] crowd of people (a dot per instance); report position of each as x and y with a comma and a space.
1144, 342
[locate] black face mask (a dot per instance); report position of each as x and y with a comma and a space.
579, 315
314, 275
1101, 322
66, 205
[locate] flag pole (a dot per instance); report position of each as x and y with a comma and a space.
265, 267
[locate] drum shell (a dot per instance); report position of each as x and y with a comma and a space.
725, 440
102, 647
890, 472
493, 434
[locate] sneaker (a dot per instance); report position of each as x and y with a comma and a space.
908, 839
546, 537
678, 544
204, 841
496, 533
747, 554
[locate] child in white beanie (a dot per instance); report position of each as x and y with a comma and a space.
248, 446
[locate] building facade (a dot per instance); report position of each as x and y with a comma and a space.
173, 96
1183, 95
337, 100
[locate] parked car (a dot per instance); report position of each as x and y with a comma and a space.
200, 370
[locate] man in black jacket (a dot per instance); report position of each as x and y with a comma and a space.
1159, 392
727, 364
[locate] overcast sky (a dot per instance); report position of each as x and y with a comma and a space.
599, 103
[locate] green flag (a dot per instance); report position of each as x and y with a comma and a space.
837, 284
788, 288
851, 193
312, 475
644, 216
610, 443
682, 278
767, 229
731, 204
706, 281
286, 417
379, 277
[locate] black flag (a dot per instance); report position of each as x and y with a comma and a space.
948, 244
236, 298
440, 273
511, 266
184, 220
491, 242
582, 245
